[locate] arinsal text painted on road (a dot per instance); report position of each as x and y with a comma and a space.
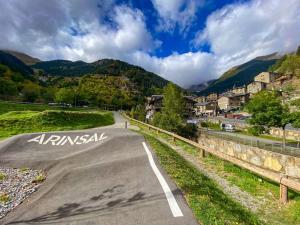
52, 139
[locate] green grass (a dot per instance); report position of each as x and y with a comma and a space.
39, 178
260, 188
266, 136
208, 202
6, 107
4, 198
2, 176
18, 122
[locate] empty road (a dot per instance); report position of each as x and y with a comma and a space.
103, 176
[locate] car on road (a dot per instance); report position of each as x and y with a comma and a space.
227, 127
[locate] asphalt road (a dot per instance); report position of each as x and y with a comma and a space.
107, 178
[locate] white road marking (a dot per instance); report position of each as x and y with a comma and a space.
176, 211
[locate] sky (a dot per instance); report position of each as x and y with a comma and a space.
185, 41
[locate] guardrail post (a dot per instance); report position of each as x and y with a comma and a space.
283, 192
126, 125
202, 153
174, 139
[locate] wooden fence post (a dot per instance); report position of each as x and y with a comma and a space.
283, 192
202, 153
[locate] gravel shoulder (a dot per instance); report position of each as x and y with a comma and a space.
16, 185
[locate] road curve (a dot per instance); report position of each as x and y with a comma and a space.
97, 176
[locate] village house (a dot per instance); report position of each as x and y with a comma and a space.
278, 83
200, 99
231, 101
189, 103
206, 108
154, 104
239, 90
255, 87
212, 97
266, 77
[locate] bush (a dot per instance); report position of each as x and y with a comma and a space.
4, 198
256, 130
39, 178
189, 131
204, 124
2, 176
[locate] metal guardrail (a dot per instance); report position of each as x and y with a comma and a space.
284, 181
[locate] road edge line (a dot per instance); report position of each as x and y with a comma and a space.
176, 211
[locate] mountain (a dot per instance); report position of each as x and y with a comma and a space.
241, 75
28, 60
143, 80
200, 87
14, 64
105, 83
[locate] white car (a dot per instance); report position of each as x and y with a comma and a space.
227, 127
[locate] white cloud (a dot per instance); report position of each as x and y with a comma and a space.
176, 12
236, 33
184, 69
240, 32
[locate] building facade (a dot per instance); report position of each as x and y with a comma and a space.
206, 109
255, 87
266, 77
212, 97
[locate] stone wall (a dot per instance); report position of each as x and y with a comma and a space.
285, 164
290, 134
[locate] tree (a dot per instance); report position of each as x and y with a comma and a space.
7, 88
170, 117
65, 95
267, 111
31, 91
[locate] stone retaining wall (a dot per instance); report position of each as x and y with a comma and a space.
285, 164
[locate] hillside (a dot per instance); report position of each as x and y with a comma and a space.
105, 83
15, 64
143, 80
240, 75
26, 59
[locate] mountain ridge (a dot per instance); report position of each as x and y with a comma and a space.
240, 75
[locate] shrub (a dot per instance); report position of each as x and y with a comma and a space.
39, 178
4, 198
189, 131
2, 176
256, 130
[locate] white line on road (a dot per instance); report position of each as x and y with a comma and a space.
176, 211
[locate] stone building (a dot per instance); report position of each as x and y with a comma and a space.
206, 108
266, 77
239, 90
279, 82
230, 101
212, 97
200, 99
255, 87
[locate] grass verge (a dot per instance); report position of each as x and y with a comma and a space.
208, 202
18, 122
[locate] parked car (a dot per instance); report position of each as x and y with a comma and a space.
227, 127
